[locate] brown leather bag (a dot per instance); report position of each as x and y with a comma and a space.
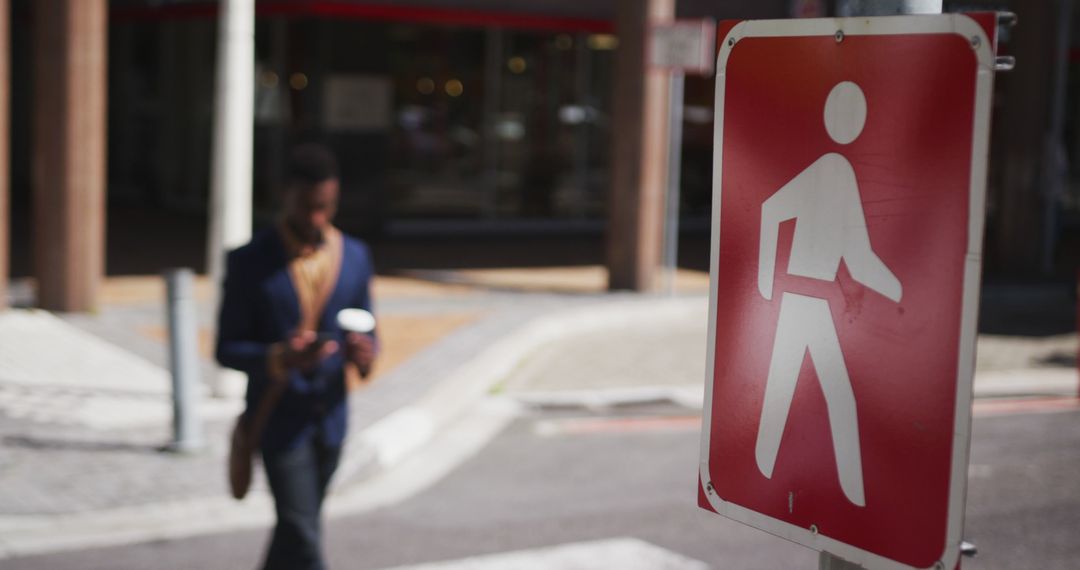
244, 442
241, 456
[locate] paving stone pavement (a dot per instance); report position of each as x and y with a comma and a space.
47, 471
86, 432
68, 446
673, 355
666, 350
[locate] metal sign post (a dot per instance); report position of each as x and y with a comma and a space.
683, 46
674, 161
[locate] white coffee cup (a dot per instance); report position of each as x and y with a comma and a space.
356, 320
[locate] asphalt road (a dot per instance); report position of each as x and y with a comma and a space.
567, 477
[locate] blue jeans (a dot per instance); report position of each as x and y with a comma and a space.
298, 479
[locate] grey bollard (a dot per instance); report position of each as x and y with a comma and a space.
183, 360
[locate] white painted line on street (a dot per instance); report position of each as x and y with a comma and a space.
621, 553
690, 396
617, 425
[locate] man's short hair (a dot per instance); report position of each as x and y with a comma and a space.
311, 163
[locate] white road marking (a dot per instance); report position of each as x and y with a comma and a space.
622, 553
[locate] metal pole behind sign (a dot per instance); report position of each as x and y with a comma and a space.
674, 164
183, 360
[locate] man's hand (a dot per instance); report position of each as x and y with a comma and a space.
360, 350
303, 351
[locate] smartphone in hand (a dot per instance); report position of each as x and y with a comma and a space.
320, 341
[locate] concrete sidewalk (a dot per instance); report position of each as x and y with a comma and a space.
84, 400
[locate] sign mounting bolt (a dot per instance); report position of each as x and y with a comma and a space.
975, 42
839, 36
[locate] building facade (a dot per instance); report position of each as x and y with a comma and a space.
483, 116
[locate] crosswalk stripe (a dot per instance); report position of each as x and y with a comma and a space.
622, 553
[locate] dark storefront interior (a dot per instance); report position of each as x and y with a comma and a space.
460, 126
451, 119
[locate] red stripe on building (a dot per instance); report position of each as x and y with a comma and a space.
993, 407
378, 13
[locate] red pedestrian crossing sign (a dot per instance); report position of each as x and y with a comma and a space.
848, 205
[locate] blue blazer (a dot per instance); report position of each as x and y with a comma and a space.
259, 308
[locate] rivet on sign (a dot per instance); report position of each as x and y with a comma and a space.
939, 565
731, 41
813, 529
839, 36
975, 42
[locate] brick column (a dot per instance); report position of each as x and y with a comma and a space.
639, 152
69, 140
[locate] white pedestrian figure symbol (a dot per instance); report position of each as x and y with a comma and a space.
830, 227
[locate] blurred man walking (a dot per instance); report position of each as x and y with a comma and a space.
278, 324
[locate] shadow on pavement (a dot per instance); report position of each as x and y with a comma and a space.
58, 444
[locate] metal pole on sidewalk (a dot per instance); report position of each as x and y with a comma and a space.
674, 162
183, 360
234, 120
230, 209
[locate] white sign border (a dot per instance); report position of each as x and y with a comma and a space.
969, 29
